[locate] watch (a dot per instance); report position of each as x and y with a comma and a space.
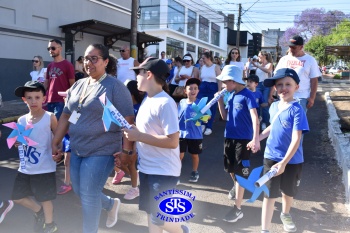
128, 152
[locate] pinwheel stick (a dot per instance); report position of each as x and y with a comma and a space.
213, 101
260, 182
119, 117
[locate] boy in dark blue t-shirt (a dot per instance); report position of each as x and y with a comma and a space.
191, 136
241, 132
283, 147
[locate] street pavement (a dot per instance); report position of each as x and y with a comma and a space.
319, 206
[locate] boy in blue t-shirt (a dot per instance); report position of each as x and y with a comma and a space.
252, 83
241, 132
283, 147
191, 136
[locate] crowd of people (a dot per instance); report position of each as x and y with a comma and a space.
156, 97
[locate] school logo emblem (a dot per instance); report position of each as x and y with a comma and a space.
238, 106
175, 205
245, 171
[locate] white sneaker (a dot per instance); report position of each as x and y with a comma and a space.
203, 128
208, 131
263, 126
132, 193
112, 216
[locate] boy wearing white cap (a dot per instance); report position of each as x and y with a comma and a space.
241, 132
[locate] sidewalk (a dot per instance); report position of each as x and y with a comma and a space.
11, 110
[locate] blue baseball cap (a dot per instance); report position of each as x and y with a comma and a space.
282, 73
169, 61
231, 72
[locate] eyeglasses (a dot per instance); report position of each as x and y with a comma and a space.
187, 60
52, 48
36, 61
234, 53
93, 59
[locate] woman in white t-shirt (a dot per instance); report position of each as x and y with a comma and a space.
234, 58
39, 72
187, 71
264, 71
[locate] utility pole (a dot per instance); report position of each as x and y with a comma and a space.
238, 24
133, 39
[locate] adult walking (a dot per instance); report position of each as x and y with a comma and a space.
124, 64
187, 71
264, 71
173, 84
307, 69
92, 148
208, 87
234, 58
39, 72
59, 78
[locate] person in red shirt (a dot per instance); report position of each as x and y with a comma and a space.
59, 78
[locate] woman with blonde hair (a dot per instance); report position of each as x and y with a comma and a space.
264, 71
39, 72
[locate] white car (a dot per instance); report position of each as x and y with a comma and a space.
334, 70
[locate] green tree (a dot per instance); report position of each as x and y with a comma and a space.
316, 46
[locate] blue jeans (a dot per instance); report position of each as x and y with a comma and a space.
88, 176
265, 91
56, 108
208, 89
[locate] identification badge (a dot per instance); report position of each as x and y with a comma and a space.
74, 117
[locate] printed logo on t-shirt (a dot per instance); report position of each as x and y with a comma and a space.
245, 171
193, 114
31, 155
286, 124
238, 106
295, 63
55, 72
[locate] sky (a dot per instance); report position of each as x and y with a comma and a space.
261, 15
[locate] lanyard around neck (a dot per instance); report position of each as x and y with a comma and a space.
84, 95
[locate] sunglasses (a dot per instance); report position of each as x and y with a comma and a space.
92, 59
122, 50
234, 53
36, 61
187, 60
52, 48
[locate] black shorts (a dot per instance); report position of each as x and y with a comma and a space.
287, 183
150, 187
41, 186
236, 157
194, 145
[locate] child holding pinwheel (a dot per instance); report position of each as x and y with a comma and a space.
191, 135
37, 174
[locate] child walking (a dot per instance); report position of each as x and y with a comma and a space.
37, 172
242, 130
191, 136
283, 147
157, 142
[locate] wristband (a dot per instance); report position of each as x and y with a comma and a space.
128, 152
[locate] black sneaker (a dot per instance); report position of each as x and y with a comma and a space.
194, 177
39, 220
50, 228
233, 215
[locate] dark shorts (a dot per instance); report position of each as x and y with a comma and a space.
194, 145
236, 157
287, 183
66, 144
41, 186
150, 187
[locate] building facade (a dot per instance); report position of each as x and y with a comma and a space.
270, 43
185, 27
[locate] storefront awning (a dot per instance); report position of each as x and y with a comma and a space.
110, 32
338, 50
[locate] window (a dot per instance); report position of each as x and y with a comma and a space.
176, 16
191, 24
191, 49
215, 34
203, 29
150, 15
174, 48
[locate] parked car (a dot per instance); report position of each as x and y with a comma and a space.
327, 69
334, 70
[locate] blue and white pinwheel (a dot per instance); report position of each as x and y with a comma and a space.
200, 115
249, 184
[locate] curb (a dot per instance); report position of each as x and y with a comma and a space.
341, 145
9, 119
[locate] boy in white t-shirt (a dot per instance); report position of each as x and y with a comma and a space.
37, 172
157, 142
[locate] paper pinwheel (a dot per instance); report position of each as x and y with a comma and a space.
249, 184
200, 115
20, 134
111, 114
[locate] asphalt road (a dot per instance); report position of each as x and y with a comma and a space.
319, 206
